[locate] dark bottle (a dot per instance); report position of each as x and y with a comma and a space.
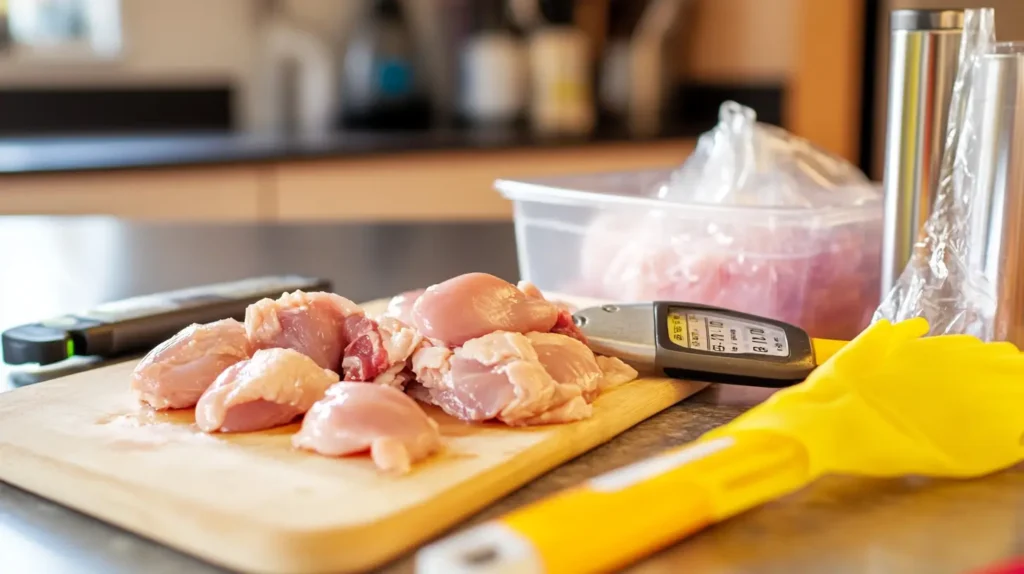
382, 84
493, 70
5, 28
562, 99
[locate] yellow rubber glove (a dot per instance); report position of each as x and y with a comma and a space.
889, 403
894, 403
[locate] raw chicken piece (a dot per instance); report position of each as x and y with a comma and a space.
501, 375
530, 290
564, 325
475, 304
569, 362
364, 356
400, 306
177, 372
821, 278
356, 417
318, 325
615, 372
416, 390
268, 390
381, 353
431, 363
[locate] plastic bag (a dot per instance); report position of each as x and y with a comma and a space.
939, 283
745, 163
756, 220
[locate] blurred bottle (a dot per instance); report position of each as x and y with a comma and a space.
561, 94
454, 24
5, 28
525, 13
635, 71
382, 83
493, 77
294, 93
615, 76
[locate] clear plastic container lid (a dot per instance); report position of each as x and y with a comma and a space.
741, 169
755, 220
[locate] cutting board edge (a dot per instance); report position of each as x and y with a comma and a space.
285, 549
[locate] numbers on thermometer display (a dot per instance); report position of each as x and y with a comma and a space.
760, 342
716, 333
717, 336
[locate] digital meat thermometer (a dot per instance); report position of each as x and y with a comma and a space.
703, 343
138, 324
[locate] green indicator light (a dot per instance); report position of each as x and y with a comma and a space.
71, 348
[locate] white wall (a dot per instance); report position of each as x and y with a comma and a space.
199, 42
165, 41
196, 42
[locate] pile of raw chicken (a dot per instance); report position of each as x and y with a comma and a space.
476, 346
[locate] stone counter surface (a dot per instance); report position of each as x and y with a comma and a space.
54, 154
837, 525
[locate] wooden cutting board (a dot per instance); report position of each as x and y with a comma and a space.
249, 501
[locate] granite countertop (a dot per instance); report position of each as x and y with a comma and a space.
838, 525
110, 152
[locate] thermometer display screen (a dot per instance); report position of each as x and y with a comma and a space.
711, 332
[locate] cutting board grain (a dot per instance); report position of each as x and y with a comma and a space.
252, 503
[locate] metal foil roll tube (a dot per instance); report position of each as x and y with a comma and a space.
923, 58
997, 225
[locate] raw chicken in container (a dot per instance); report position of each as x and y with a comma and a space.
272, 388
755, 220
821, 279
772, 226
177, 372
357, 417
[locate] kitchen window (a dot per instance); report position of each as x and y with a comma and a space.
60, 29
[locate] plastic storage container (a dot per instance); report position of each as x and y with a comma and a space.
609, 236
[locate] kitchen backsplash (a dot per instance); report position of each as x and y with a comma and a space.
208, 52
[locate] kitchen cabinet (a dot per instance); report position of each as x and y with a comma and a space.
824, 93
443, 185
429, 185
234, 193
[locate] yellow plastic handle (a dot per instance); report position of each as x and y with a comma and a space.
825, 348
619, 517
